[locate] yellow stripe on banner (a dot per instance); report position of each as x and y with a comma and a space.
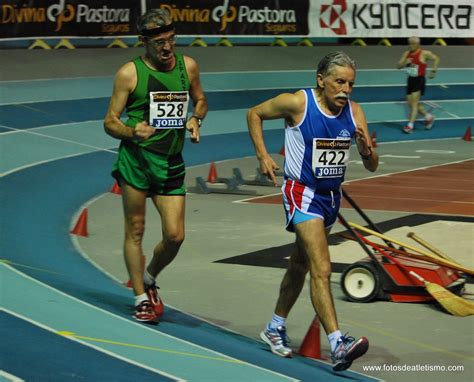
152, 348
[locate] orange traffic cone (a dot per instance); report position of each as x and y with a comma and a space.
128, 284
467, 135
311, 346
282, 150
116, 189
212, 177
80, 229
373, 139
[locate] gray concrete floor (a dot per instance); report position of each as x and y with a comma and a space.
242, 298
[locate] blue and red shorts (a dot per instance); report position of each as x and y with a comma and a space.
313, 204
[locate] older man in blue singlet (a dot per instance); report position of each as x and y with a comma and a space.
319, 126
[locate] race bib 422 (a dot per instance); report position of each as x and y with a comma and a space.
330, 157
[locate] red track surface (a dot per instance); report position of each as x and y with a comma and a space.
444, 189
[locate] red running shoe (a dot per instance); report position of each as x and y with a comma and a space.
155, 300
144, 312
429, 123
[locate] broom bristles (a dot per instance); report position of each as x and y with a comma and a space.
455, 305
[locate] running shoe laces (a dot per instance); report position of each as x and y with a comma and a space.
347, 350
278, 341
144, 312
155, 300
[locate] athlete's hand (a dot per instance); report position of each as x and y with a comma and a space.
363, 145
193, 127
143, 131
268, 167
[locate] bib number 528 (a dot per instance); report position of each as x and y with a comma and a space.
170, 110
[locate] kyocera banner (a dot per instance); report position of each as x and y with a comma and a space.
68, 18
378, 18
237, 18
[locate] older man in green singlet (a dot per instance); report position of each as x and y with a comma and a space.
155, 91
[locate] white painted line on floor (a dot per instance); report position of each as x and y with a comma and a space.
141, 325
436, 151
47, 161
10, 377
71, 338
400, 156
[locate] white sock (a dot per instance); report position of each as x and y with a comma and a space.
276, 322
411, 124
140, 298
333, 337
428, 116
147, 278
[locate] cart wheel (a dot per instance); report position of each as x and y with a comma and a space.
360, 282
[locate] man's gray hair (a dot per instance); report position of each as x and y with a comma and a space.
334, 58
153, 18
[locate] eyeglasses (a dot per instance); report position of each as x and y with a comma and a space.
159, 44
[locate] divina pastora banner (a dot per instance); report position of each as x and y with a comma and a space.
225, 18
68, 18
21, 19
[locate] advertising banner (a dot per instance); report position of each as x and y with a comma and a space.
21, 19
391, 18
237, 17
68, 18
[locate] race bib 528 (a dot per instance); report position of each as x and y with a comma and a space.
168, 110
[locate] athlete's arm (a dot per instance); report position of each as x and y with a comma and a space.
403, 61
430, 56
198, 97
286, 106
125, 82
368, 154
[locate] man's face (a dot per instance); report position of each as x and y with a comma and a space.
337, 86
413, 44
161, 47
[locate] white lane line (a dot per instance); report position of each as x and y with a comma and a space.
109, 353
425, 102
435, 105
75, 98
406, 171
371, 177
400, 156
229, 72
16, 169
436, 151
16, 130
27, 131
141, 326
245, 90
416, 199
8, 376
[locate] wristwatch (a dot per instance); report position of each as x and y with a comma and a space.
199, 120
